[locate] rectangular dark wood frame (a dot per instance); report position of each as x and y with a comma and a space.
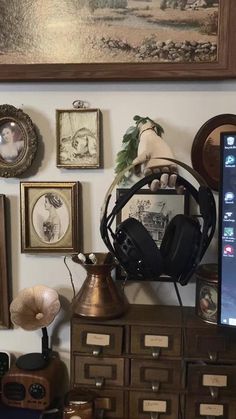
224, 68
4, 285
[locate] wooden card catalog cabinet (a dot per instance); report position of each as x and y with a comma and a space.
206, 408
155, 362
156, 341
147, 405
210, 359
94, 339
214, 380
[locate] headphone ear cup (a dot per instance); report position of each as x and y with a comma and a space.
180, 245
136, 250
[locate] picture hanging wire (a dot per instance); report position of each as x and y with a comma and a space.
80, 104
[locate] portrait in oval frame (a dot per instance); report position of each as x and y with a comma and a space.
18, 141
48, 229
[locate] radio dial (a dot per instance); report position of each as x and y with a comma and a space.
37, 391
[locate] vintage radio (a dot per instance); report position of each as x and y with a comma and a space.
34, 389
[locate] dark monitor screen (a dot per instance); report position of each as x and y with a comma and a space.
227, 230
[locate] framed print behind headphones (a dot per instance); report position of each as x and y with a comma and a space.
154, 209
185, 240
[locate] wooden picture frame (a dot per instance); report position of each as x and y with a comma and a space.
62, 62
151, 209
50, 217
205, 152
79, 143
4, 273
18, 141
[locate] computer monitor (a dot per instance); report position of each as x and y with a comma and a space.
227, 230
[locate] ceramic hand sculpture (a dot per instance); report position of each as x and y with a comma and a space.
142, 145
151, 146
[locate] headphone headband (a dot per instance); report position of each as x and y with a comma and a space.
184, 242
120, 175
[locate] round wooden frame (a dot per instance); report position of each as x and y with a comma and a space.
198, 152
9, 115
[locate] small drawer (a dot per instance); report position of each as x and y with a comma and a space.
210, 344
156, 341
109, 404
148, 405
212, 380
99, 372
96, 339
155, 375
202, 407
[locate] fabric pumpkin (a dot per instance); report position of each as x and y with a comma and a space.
35, 307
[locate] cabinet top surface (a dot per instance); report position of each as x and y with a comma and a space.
158, 315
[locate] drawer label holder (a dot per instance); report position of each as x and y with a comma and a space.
156, 341
154, 406
97, 339
214, 380
211, 409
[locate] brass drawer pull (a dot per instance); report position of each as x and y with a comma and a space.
99, 382
154, 415
97, 351
214, 392
155, 386
212, 356
156, 352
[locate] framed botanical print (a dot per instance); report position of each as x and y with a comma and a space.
50, 217
79, 138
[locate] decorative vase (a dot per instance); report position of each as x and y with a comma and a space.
99, 295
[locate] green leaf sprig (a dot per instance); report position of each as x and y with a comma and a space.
130, 144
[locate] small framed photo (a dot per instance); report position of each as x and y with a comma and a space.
154, 210
79, 138
50, 217
18, 141
4, 274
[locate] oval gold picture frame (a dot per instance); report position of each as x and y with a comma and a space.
205, 152
18, 141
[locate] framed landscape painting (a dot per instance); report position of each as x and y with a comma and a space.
117, 39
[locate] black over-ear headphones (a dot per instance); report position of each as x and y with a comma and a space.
184, 242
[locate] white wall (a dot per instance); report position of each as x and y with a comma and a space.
180, 107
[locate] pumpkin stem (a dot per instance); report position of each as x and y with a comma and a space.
39, 316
